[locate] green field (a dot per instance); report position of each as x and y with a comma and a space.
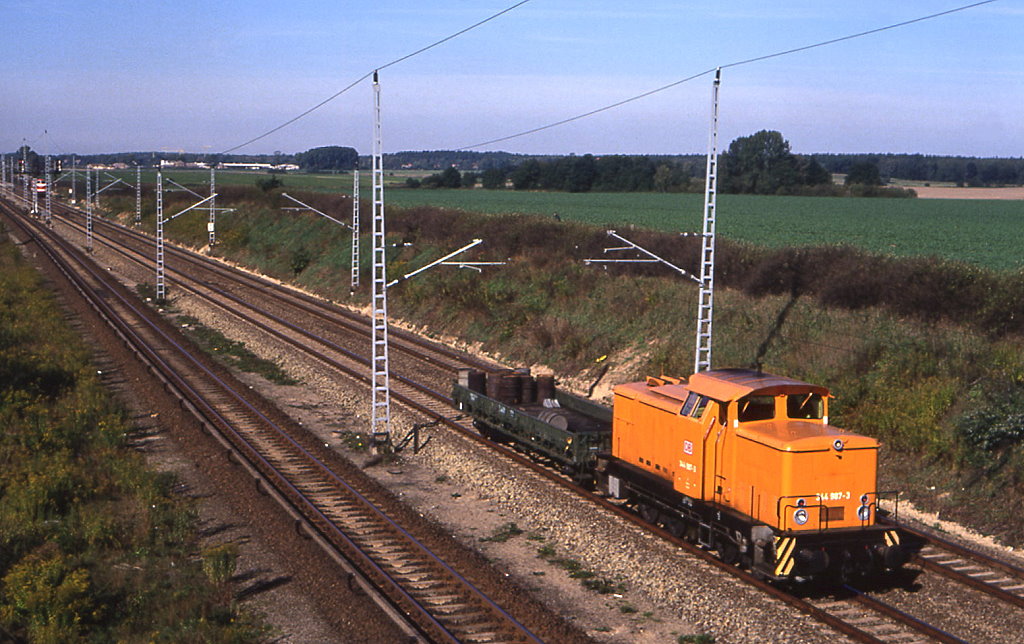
985, 233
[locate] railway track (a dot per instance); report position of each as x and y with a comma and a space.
855, 614
428, 595
981, 572
314, 312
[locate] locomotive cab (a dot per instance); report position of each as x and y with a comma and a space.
747, 464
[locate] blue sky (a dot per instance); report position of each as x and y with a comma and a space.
118, 75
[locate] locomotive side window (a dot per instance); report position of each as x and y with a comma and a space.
691, 400
756, 408
805, 406
698, 409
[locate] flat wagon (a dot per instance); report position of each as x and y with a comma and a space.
530, 413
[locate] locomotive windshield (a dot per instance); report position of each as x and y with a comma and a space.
805, 406
756, 408
694, 405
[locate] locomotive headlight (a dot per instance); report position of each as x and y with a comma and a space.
864, 513
800, 516
837, 445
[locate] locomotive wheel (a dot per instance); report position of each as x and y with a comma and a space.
484, 430
648, 513
676, 528
728, 551
586, 481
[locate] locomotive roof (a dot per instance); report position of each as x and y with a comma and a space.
733, 384
724, 385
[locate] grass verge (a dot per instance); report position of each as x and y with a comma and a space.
94, 546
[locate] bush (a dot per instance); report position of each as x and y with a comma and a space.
267, 184
994, 420
220, 562
49, 596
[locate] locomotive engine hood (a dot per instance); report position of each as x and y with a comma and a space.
804, 436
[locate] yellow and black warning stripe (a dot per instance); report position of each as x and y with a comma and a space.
784, 562
892, 538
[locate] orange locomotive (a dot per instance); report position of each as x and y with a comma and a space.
745, 463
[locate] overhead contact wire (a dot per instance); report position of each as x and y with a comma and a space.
370, 73
858, 35
728, 65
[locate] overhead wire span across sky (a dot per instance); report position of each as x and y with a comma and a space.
371, 72
123, 75
706, 72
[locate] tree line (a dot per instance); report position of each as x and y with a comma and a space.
761, 163
963, 171
331, 158
758, 164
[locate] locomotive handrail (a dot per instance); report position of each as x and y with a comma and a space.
783, 515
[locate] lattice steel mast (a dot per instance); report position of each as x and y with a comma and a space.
48, 176
88, 212
381, 397
355, 229
161, 289
24, 170
212, 226
138, 194
706, 302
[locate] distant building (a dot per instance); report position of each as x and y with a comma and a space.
246, 166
